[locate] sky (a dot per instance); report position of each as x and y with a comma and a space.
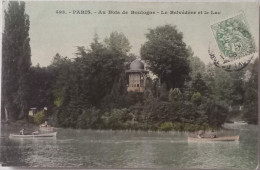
52, 33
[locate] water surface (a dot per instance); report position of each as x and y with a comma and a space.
129, 149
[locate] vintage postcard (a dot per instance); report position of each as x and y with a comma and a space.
117, 84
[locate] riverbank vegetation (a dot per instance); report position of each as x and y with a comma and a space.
88, 90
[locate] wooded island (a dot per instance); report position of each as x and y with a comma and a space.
105, 87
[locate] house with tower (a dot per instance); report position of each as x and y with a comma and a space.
136, 77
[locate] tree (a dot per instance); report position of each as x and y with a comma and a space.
175, 95
16, 61
251, 95
166, 55
175, 98
95, 79
41, 81
118, 43
237, 87
197, 66
196, 98
199, 85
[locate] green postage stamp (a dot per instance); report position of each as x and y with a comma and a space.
234, 38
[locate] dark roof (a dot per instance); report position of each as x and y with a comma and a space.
137, 65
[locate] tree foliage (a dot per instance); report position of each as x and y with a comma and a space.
16, 60
90, 91
94, 80
251, 94
39, 117
118, 43
166, 55
196, 98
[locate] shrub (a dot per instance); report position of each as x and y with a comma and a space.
178, 126
166, 126
39, 117
175, 95
58, 101
115, 118
88, 118
196, 98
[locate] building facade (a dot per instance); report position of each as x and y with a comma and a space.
136, 76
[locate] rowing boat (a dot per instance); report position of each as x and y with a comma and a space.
224, 138
240, 123
34, 136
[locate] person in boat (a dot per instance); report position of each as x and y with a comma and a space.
22, 132
45, 124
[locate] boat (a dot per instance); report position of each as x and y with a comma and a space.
240, 123
33, 135
224, 138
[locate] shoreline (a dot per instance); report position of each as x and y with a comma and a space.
31, 126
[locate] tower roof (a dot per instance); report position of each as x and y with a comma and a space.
137, 65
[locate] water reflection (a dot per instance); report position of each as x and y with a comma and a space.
129, 149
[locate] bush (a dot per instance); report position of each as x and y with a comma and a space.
196, 98
166, 126
88, 118
39, 117
115, 118
175, 95
58, 102
133, 98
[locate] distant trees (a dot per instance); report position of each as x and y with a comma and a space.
16, 61
166, 55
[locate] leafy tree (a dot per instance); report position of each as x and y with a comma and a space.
94, 79
39, 117
166, 55
217, 112
198, 85
41, 81
115, 118
163, 92
118, 43
175, 95
60, 69
196, 65
88, 118
237, 87
16, 60
219, 83
251, 95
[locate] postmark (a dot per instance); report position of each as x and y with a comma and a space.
235, 43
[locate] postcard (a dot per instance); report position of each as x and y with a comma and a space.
117, 84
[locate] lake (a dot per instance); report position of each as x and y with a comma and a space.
129, 149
